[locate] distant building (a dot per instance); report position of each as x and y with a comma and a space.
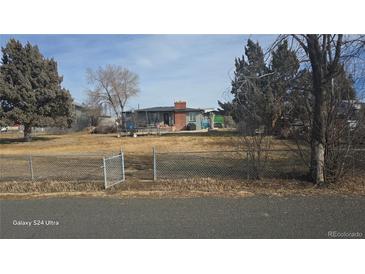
352, 111
177, 117
80, 122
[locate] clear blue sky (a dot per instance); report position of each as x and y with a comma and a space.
195, 68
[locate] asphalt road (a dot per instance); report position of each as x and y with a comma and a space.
253, 217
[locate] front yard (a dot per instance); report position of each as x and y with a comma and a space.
139, 177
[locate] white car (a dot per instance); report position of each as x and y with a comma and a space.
4, 129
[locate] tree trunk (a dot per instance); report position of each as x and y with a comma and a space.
317, 163
27, 133
318, 136
118, 126
122, 118
319, 112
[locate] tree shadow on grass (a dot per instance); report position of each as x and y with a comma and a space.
7, 141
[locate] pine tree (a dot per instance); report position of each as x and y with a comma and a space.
2, 114
251, 90
32, 94
285, 66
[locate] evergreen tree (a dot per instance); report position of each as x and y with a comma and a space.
250, 89
280, 93
31, 93
284, 65
225, 108
2, 114
255, 103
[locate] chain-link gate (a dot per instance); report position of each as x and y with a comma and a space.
113, 170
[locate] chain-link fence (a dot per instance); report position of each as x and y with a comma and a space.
62, 168
271, 164
68, 168
227, 164
354, 162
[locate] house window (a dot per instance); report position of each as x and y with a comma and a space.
192, 117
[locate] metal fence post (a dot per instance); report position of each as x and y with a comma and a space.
154, 165
122, 164
31, 167
248, 165
104, 169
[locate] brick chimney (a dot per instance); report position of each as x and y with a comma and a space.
180, 105
180, 116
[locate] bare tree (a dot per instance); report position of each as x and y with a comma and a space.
326, 56
113, 86
255, 148
94, 109
309, 89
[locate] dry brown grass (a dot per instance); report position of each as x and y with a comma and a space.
353, 186
124, 194
48, 186
179, 189
107, 143
82, 143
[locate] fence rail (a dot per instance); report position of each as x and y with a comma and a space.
111, 170
68, 168
63, 168
242, 164
227, 165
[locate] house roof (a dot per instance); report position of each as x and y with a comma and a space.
168, 109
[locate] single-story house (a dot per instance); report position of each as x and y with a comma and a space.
177, 117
